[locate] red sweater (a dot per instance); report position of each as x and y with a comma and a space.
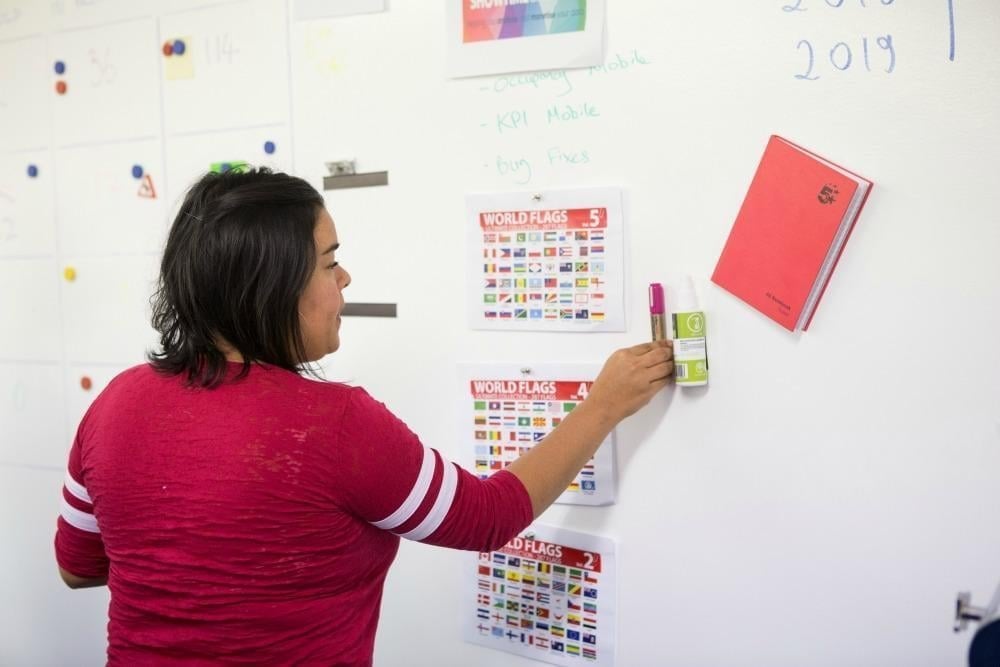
255, 522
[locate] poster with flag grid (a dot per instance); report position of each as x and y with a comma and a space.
548, 594
546, 261
507, 409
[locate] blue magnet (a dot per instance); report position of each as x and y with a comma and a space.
32, 171
60, 67
269, 147
136, 171
179, 47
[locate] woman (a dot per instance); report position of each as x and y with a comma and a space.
241, 512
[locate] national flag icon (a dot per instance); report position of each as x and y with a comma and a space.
551, 297
574, 589
513, 605
596, 282
597, 267
513, 561
508, 405
513, 575
535, 253
590, 607
566, 314
520, 267
588, 485
581, 299
483, 614
483, 629
583, 251
544, 582
550, 283
499, 573
520, 313
489, 252
597, 316
544, 567
524, 436
489, 268
534, 296
566, 251
557, 631
481, 465
503, 268
505, 298
498, 587
557, 646
573, 635
513, 621
479, 405
520, 283
542, 612
573, 606
535, 283
505, 283
541, 642
550, 236
489, 238
480, 420
521, 237
496, 465
539, 422
589, 638
538, 436
539, 406
589, 623
580, 235
498, 632
534, 267
551, 314
495, 450
484, 570
489, 298
484, 599
484, 585
572, 649
582, 283
524, 421
582, 267
493, 405
494, 435
528, 596
527, 624
597, 235
565, 297
587, 576
480, 435
590, 592
566, 267
573, 619
549, 251
575, 574
520, 252
574, 486
565, 284
596, 250
503, 238
499, 601
560, 570
541, 625
520, 298
535, 313
582, 314
493, 420
499, 558
557, 586
490, 283
564, 236
589, 653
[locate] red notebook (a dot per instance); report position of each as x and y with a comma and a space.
790, 232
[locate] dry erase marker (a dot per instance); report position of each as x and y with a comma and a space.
657, 316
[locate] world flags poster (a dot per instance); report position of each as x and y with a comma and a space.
548, 594
508, 409
546, 261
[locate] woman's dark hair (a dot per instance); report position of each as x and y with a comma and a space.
238, 256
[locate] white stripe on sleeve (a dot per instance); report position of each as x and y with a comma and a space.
417, 493
77, 489
441, 506
77, 518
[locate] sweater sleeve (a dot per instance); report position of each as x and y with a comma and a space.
391, 480
78, 544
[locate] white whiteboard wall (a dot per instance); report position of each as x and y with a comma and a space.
820, 503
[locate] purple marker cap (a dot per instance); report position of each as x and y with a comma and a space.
656, 306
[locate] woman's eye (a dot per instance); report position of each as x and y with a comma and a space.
334, 265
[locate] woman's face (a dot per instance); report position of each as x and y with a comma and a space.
322, 301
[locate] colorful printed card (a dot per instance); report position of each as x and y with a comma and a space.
494, 36
507, 409
546, 261
548, 594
